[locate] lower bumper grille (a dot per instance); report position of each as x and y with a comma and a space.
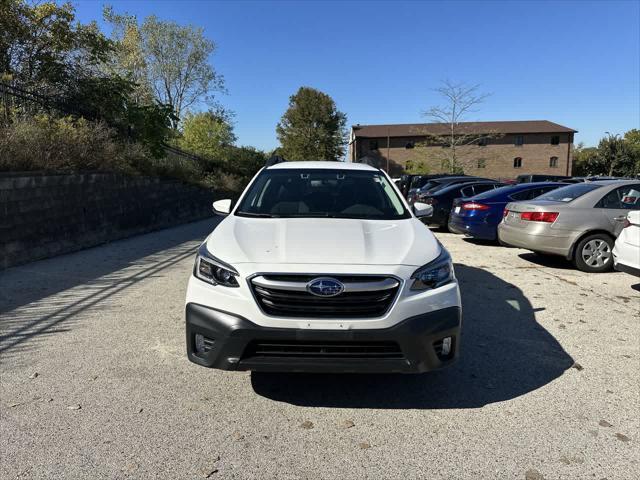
299, 349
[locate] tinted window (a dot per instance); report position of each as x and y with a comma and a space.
627, 197
517, 162
483, 188
467, 192
523, 195
569, 193
322, 193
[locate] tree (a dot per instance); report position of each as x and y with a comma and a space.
632, 139
614, 156
585, 160
207, 134
167, 59
459, 101
312, 128
42, 46
416, 167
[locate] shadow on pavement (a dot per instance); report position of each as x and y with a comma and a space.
551, 261
505, 354
49, 296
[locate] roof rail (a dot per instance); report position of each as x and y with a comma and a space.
274, 160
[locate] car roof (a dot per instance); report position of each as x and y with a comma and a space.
329, 165
537, 184
614, 182
448, 188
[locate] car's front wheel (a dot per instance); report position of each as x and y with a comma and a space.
594, 253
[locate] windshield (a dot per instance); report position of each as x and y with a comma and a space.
305, 193
569, 193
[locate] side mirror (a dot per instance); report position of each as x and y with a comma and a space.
222, 207
422, 209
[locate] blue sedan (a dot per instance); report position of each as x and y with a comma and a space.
479, 216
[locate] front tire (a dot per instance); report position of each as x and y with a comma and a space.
593, 254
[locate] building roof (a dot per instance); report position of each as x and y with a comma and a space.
468, 128
322, 165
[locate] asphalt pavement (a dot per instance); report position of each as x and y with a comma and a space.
95, 383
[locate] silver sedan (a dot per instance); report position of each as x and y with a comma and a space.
579, 221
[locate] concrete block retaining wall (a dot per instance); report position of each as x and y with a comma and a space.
42, 215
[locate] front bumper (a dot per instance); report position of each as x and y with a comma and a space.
235, 343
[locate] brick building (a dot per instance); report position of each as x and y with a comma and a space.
502, 150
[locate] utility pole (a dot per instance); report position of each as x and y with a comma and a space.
388, 146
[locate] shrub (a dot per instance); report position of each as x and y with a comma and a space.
63, 144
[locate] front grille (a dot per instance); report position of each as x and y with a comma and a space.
303, 349
363, 296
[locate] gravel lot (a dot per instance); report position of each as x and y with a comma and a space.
95, 382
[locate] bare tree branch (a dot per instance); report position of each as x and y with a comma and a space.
460, 100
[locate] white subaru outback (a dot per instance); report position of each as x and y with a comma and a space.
322, 267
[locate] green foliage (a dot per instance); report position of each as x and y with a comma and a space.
64, 144
206, 134
312, 128
167, 60
614, 156
245, 161
416, 167
112, 105
42, 46
585, 160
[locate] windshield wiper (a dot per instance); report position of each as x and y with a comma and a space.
257, 215
307, 215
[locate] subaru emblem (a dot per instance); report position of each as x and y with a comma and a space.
325, 287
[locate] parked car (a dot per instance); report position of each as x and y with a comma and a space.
442, 199
322, 267
419, 181
437, 183
626, 251
405, 184
479, 216
579, 221
540, 178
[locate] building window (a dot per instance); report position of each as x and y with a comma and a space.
482, 163
553, 162
373, 144
517, 162
555, 140
519, 141
409, 145
482, 142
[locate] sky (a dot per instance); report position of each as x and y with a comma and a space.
576, 63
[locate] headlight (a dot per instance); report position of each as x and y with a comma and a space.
434, 274
211, 270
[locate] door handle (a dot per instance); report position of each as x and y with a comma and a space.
620, 218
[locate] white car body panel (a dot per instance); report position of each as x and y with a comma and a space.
238, 240
627, 248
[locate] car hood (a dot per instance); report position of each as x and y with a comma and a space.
322, 241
